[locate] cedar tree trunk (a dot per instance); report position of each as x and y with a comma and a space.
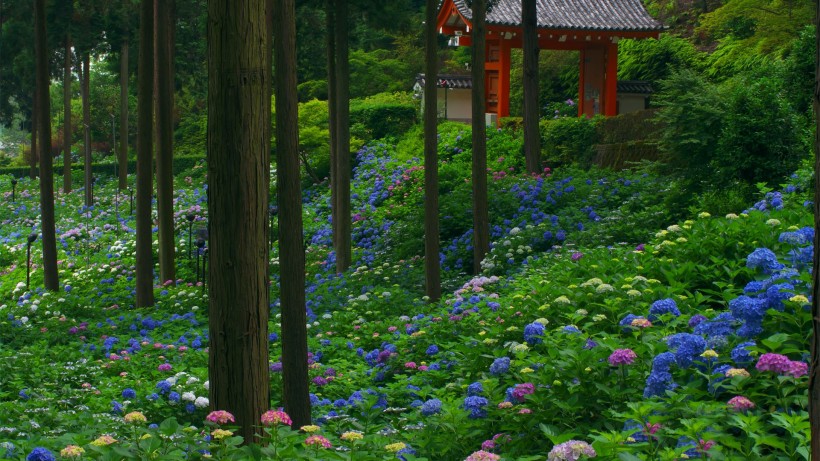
145, 103
814, 368
432, 265
49, 239
89, 187
532, 135
481, 219
344, 227
67, 135
238, 170
123, 148
330, 19
165, 145
291, 248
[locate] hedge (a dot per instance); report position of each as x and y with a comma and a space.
181, 163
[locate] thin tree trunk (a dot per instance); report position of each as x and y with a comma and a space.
89, 187
331, 119
432, 265
165, 147
343, 247
67, 134
238, 169
145, 79
481, 219
49, 239
532, 135
35, 152
814, 369
291, 248
123, 148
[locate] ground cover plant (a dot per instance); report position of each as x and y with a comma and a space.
597, 328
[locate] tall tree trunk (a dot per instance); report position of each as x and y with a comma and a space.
89, 178
49, 238
123, 148
532, 135
330, 19
238, 169
67, 134
145, 99
343, 242
291, 247
164, 130
432, 265
35, 151
481, 219
814, 377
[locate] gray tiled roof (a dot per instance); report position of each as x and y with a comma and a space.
449, 81
598, 15
466, 82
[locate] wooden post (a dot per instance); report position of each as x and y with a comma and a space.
504, 80
581, 59
610, 108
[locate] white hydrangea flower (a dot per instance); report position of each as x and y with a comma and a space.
201, 402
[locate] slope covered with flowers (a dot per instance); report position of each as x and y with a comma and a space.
688, 341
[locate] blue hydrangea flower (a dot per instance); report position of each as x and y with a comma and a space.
776, 294
663, 306
163, 387
476, 406
173, 397
533, 333
8, 449
475, 389
765, 259
500, 366
687, 346
129, 393
116, 407
432, 350
660, 379
741, 354
751, 312
431, 407
722, 325
40, 454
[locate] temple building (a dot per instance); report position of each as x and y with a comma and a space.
592, 27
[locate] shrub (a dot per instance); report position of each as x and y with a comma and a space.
570, 141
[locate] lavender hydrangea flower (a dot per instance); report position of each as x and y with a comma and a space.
571, 450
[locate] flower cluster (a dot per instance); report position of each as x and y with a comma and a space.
571, 450
660, 378
662, 307
781, 365
533, 333
220, 417
500, 366
476, 405
622, 357
482, 455
687, 346
275, 418
740, 404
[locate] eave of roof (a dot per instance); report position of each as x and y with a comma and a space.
589, 15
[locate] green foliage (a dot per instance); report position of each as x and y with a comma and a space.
382, 116
569, 140
654, 60
761, 139
692, 116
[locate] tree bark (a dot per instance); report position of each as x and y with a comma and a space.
67, 134
89, 187
532, 135
35, 152
164, 130
330, 18
432, 265
481, 219
238, 170
814, 368
49, 238
291, 248
343, 242
145, 80
123, 148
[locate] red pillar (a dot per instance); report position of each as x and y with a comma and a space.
582, 58
611, 81
504, 80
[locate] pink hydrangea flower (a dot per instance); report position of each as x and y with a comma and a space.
740, 403
318, 441
220, 417
275, 418
622, 357
482, 455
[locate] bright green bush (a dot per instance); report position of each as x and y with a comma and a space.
569, 140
